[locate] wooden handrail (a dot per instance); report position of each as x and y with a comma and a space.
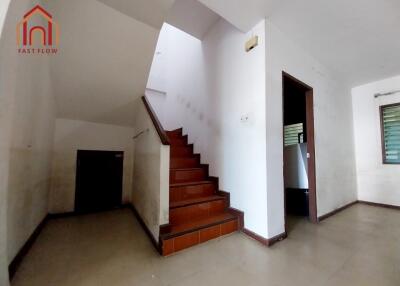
160, 130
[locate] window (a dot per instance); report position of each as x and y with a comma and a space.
390, 120
294, 134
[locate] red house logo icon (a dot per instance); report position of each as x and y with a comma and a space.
32, 38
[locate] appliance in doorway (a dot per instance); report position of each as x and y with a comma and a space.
98, 180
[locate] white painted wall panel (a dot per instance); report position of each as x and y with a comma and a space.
377, 182
74, 135
150, 195
27, 116
335, 161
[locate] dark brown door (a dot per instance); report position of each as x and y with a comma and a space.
98, 180
312, 195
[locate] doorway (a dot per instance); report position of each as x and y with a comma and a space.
299, 150
98, 180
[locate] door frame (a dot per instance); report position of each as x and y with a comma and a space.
312, 185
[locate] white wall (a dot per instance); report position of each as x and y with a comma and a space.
210, 86
6, 92
150, 195
32, 132
377, 182
27, 126
3, 12
335, 163
178, 70
158, 72
73, 135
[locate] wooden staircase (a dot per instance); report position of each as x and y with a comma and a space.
198, 211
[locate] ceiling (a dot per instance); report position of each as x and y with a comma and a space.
151, 12
102, 66
192, 17
244, 14
357, 39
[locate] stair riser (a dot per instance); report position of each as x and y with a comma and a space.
182, 151
176, 163
178, 141
178, 243
174, 134
187, 176
197, 211
191, 192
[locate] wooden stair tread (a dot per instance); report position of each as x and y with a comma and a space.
194, 201
177, 230
186, 169
190, 183
190, 156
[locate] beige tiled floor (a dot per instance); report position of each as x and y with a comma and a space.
359, 246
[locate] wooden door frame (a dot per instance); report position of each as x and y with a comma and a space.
312, 186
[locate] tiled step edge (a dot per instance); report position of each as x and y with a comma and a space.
194, 237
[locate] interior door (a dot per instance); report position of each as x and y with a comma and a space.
98, 180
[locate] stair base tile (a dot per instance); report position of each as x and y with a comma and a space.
189, 239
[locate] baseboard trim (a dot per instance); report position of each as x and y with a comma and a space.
325, 216
255, 236
156, 244
62, 215
74, 213
277, 238
393, 207
265, 241
239, 214
16, 262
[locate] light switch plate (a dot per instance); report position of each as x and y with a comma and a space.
245, 118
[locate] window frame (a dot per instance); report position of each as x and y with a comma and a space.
383, 145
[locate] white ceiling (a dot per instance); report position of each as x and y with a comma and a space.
192, 17
188, 15
359, 39
244, 14
103, 62
151, 12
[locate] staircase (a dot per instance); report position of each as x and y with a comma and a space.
198, 211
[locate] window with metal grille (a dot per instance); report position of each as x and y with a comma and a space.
390, 120
293, 134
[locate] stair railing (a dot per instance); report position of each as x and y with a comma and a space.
157, 124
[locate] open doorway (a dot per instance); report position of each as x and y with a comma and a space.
98, 180
298, 150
